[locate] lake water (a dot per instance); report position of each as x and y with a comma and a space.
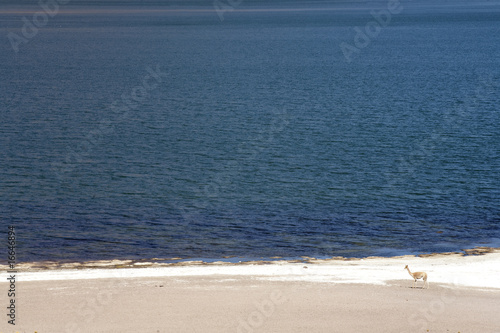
148, 131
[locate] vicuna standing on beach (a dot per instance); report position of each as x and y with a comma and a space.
418, 275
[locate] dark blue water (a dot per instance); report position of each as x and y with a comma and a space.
145, 132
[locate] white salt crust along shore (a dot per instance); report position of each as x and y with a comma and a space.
477, 271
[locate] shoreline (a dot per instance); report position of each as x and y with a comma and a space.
473, 268
227, 260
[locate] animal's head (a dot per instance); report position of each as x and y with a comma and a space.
406, 267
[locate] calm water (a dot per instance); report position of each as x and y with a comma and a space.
255, 136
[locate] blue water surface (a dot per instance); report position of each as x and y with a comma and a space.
147, 131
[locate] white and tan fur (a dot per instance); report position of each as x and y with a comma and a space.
418, 275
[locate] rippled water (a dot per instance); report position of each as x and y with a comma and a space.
254, 136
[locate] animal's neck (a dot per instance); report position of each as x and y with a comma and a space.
409, 271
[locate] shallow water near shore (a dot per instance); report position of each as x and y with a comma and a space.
257, 138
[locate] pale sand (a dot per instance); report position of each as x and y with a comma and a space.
370, 295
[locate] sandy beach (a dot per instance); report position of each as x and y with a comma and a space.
336, 295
